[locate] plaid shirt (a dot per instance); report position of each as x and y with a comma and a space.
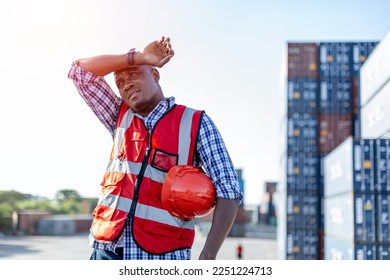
211, 151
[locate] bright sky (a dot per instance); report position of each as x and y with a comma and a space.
230, 61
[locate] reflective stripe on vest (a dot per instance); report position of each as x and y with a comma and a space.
134, 168
185, 136
145, 212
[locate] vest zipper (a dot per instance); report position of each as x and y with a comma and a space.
137, 186
139, 179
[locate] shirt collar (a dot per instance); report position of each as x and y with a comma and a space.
162, 107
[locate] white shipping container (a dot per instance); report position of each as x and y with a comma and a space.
336, 249
338, 169
281, 230
350, 217
375, 72
350, 167
375, 115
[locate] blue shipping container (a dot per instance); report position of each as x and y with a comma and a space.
364, 156
302, 245
382, 217
302, 133
343, 59
302, 94
303, 173
383, 252
360, 53
356, 126
382, 165
303, 210
335, 95
335, 59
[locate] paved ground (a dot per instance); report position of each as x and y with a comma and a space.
76, 247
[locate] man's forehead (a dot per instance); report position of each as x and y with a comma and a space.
132, 69
127, 70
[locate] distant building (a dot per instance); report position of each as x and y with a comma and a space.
242, 183
26, 222
37, 222
267, 209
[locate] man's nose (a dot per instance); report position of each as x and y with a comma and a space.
128, 86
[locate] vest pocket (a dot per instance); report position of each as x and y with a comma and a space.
107, 207
164, 161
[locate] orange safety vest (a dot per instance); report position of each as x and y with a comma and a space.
132, 184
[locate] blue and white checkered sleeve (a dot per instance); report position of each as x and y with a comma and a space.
216, 160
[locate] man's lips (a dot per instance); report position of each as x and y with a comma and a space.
131, 94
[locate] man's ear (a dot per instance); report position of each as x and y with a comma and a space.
156, 75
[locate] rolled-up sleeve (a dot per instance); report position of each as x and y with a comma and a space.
98, 95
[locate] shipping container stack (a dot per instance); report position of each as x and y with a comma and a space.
339, 99
357, 186
357, 181
339, 109
349, 200
382, 198
302, 183
323, 110
375, 116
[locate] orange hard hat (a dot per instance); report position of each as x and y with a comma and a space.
188, 192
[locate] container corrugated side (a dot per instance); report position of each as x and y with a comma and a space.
302, 60
335, 95
382, 165
303, 173
333, 130
336, 249
350, 167
303, 211
302, 133
302, 245
375, 115
383, 252
350, 217
335, 59
360, 52
302, 95
375, 72
382, 217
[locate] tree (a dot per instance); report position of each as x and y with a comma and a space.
67, 194
8, 203
12, 196
67, 201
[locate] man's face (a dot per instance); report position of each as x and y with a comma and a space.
139, 88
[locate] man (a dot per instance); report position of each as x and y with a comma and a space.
129, 220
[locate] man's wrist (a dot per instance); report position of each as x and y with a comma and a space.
130, 57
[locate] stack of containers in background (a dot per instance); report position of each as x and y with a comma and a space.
339, 104
382, 198
349, 200
357, 200
375, 92
302, 183
375, 116
323, 109
339, 96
